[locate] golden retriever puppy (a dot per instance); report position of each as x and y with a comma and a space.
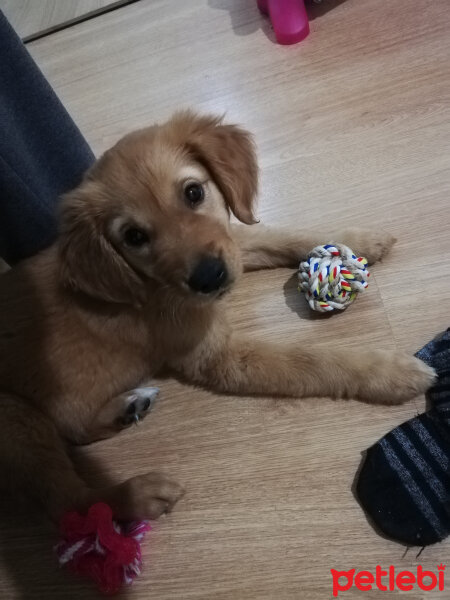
137, 282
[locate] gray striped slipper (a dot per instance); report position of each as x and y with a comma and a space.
404, 483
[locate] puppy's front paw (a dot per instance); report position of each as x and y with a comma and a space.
397, 378
413, 377
148, 496
373, 245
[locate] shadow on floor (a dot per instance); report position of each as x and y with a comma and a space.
245, 17
297, 303
318, 9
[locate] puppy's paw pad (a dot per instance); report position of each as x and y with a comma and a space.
138, 403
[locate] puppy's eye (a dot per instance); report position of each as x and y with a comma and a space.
194, 194
135, 237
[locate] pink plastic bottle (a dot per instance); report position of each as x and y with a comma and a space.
289, 19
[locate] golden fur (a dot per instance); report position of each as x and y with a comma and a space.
85, 322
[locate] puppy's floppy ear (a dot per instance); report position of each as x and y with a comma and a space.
228, 152
89, 262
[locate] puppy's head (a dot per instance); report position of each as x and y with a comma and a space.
156, 207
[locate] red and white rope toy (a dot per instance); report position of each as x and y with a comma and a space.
98, 547
332, 276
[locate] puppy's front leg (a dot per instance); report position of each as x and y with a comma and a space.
246, 367
266, 248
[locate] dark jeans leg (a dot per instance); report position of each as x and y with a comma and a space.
42, 153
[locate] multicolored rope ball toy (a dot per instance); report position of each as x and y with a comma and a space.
332, 276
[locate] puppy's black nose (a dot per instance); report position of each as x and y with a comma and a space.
209, 275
